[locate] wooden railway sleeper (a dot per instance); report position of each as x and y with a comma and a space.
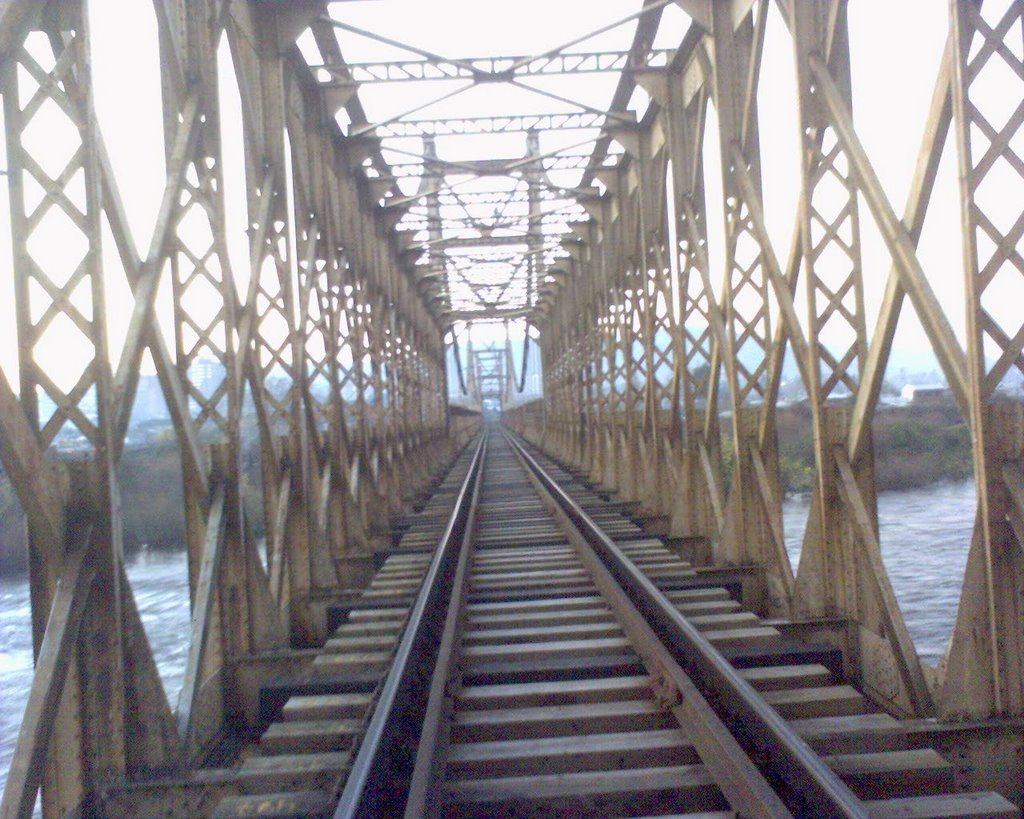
868, 750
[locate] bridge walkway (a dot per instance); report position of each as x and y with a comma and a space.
540, 684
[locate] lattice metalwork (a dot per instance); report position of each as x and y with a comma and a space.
740, 332
203, 289
55, 204
992, 162
746, 285
271, 304
988, 83
694, 294
334, 346
320, 298
697, 328
835, 288
487, 69
572, 120
830, 232
660, 378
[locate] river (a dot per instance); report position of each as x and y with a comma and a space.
925, 534
160, 583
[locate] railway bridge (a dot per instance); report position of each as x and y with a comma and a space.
473, 353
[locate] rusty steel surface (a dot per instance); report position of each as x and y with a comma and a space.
303, 333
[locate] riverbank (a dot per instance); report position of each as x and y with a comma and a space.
152, 501
914, 446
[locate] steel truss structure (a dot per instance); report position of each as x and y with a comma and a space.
337, 334
331, 312
637, 343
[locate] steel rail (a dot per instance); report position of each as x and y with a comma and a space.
801, 778
433, 733
377, 784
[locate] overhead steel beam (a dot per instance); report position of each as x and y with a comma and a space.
490, 69
512, 123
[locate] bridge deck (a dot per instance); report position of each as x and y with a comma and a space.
556, 697
310, 333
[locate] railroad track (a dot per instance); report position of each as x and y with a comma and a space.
314, 720
556, 661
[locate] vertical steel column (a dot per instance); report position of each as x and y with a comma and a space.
61, 314
985, 670
746, 535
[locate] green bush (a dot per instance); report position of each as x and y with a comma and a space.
915, 452
797, 474
914, 446
152, 497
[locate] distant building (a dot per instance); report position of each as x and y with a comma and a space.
149, 401
925, 394
207, 374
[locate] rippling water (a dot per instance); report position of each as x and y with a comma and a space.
160, 583
925, 536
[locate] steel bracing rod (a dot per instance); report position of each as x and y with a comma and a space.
415, 223
467, 261
522, 162
428, 167
610, 114
484, 241
447, 189
521, 381
428, 55
503, 124
482, 74
375, 784
487, 69
444, 188
487, 167
371, 126
513, 80
555, 159
474, 315
647, 9
463, 263
577, 162
477, 223
517, 195
434, 168
479, 286
807, 785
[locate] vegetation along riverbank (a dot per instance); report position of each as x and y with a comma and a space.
914, 446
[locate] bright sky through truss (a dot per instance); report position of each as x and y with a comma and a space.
471, 208
893, 74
